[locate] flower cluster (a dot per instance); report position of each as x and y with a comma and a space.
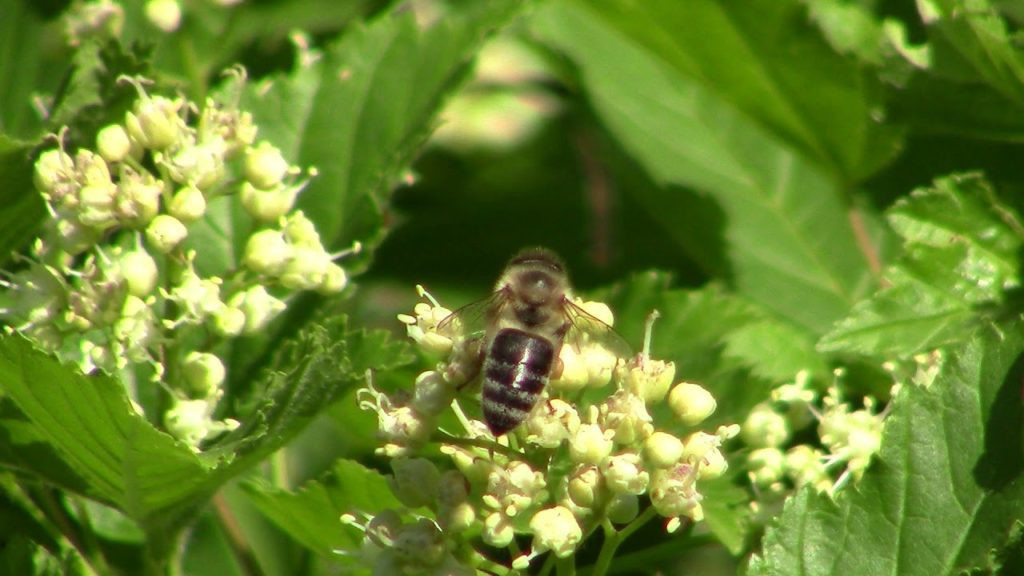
583, 459
119, 280
848, 437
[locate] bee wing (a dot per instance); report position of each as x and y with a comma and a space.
471, 320
586, 329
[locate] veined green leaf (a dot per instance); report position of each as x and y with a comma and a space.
961, 256
788, 242
946, 489
312, 514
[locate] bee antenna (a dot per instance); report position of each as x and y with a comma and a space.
648, 330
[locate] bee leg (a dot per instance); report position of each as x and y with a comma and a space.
556, 369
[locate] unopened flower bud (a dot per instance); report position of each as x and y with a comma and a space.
267, 206
623, 508
663, 450
557, 530
600, 363
265, 167
590, 444
165, 232
300, 230
188, 204
415, 481
767, 466
113, 144
229, 321
201, 165
433, 394
674, 493
267, 252
584, 486
497, 530
259, 307
96, 206
164, 14
203, 373
155, 123
765, 427
691, 403
306, 268
420, 545
53, 169
92, 169
139, 271
334, 280
138, 200
574, 376
624, 474
626, 415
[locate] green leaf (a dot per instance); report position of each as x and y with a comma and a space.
91, 424
773, 350
761, 57
727, 512
788, 242
974, 42
311, 515
360, 111
947, 486
23, 207
961, 258
22, 39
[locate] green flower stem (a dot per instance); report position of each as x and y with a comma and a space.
477, 443
47, 503
613, 538
565, 566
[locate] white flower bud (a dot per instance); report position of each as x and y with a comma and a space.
201, 165
267, 252
165, 232
691, 403
306, 268
673, 492
433, 394
600, 363
624, 474
598, 310
96, 206
155, 123
92, 169
415, 481
765, 427
497, 530
549, 425
188, 204
267, 205
113, 144
139, 271
265, 167
623, 508
574, 376
557, 530
663, 450
203, 373
164, 14
590, 444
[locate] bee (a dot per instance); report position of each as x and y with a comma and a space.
525, 323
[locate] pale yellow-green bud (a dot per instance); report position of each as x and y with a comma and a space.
422, 328
301, 231
265, 167
625, 414
574, 376
96, 206
139, 271
306, 268
229, 321
584, 486
590, 444
164, 14
691, 403
267, 205
432, 393
203, 373
806, 466
165, 232
623, 508
259, 307
600, 363
138, 200
155, 123
663, 450
188, 204
765, 427
74, 238
624, 474
334, 280
201, 165
415, 481
497, 530
550, 425
557, 530
267, 252
113, 144
54, 170
767, 466
92, 169
191, 420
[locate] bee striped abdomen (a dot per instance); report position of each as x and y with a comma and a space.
515, 372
